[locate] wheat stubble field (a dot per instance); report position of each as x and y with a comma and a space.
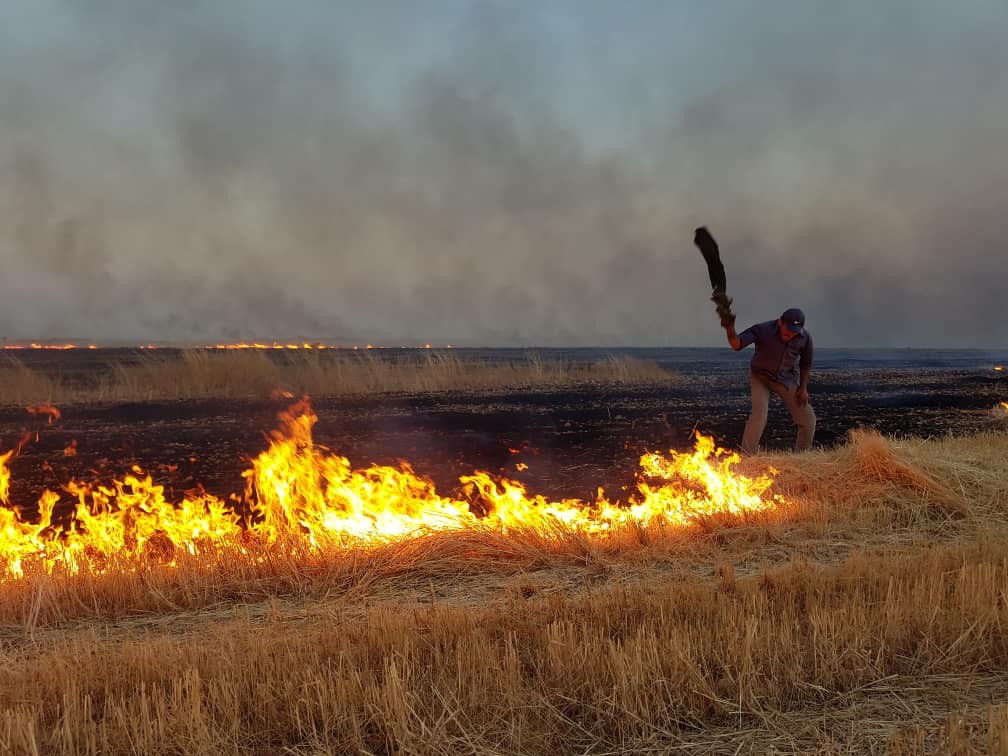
864, 611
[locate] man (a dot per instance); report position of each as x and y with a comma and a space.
781, 364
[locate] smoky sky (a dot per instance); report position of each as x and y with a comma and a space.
502, 173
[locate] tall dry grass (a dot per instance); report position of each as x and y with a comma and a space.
867, 617
202, 373
22, 386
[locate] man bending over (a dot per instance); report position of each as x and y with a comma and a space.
781, 365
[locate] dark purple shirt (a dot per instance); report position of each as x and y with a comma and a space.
775, 359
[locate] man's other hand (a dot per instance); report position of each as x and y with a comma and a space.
802, 396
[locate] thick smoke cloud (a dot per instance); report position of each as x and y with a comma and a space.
501, 173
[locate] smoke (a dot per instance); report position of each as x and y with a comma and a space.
499, 173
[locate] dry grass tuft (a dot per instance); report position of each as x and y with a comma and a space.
873, 474
877, 460
999, 412
980, 731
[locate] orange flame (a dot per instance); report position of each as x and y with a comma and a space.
5, 476
35, 345
303, 345
46, 409
297, 489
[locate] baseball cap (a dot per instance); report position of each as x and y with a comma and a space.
794, 319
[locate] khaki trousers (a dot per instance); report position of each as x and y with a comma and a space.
804, 418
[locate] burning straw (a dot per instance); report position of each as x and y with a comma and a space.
303, 496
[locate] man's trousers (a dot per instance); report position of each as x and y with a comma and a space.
803, 416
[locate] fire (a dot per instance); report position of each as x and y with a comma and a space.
5, 476
225, 346
46, 409
270, 345
298, 489
56, 347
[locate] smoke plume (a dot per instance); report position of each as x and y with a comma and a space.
499, 173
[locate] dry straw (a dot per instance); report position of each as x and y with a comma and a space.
868, 616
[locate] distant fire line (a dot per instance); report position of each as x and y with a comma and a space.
307, 346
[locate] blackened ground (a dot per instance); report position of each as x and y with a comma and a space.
573, 441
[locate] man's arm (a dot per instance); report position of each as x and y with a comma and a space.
733, 338
805, 370
740, 340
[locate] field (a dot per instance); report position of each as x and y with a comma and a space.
861, 610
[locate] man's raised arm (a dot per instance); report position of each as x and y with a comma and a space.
733, 338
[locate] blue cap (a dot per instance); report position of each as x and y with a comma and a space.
794, 319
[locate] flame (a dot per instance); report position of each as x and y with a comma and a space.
305, 345
35, 345
5, 476
46, 409
999, 368
299, 489
271, 345
56, 347
1004, 406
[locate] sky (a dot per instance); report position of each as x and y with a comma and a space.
502, 173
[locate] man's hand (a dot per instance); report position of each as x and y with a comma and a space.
803, 380
723, 305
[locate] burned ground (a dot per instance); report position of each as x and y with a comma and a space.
572, 440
